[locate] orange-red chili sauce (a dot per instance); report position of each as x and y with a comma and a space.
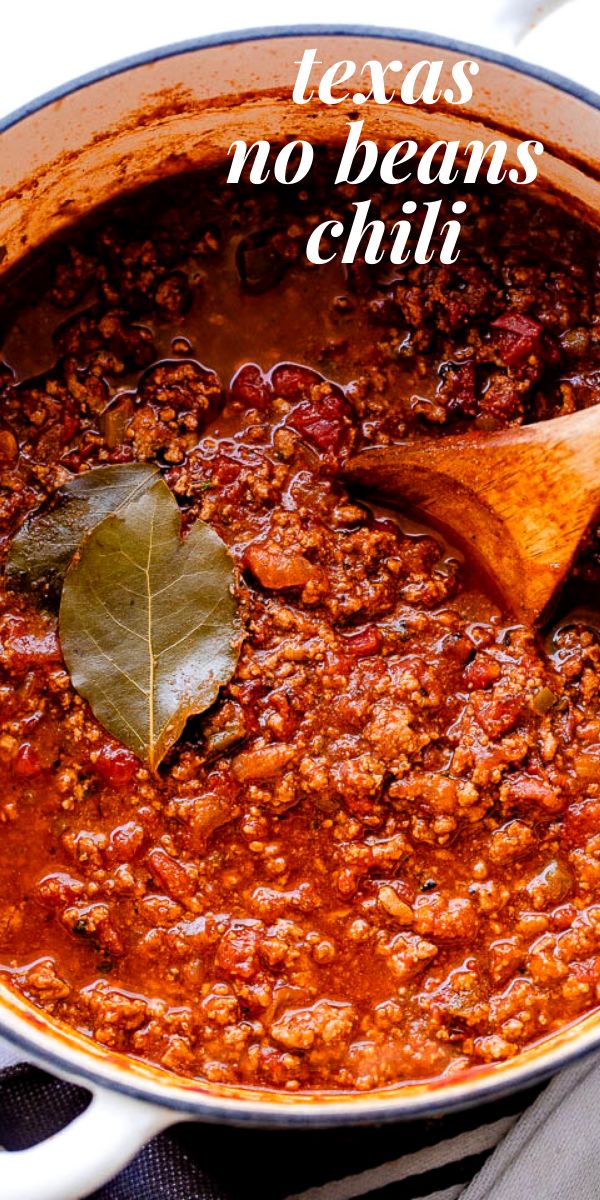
377, 858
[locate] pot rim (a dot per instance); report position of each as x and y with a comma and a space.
276, 1109
43, 1040
271, 32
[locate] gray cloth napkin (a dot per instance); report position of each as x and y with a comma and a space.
552, 1153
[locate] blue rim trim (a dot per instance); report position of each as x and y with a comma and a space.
264, 33
206, 1107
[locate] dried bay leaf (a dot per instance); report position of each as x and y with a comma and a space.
45, 544
148, 622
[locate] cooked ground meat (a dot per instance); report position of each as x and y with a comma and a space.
377, 857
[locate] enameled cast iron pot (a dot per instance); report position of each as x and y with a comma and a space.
107, 133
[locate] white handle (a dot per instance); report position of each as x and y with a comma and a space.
508, 21
87, 1153
499, 24
562, 45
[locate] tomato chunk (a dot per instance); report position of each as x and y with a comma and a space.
520, 337
116, 765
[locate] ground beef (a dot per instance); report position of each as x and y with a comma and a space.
377, 857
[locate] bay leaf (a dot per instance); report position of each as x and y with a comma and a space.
148, 622
45, 544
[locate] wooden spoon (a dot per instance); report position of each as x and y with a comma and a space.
523, 499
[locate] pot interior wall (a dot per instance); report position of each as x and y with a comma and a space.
184, 111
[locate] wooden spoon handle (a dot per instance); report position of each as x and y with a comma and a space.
522, 498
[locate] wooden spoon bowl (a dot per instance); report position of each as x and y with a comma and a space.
522, 499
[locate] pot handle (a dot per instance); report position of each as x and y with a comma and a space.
510, 20
85, 1154
499, 24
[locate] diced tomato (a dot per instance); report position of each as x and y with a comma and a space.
27, 762
70, 425
526, 791
457, 311
321, 422
293, 382
237, 952
582, 819
251, 387
116, 765
482, 671
169, 873
363, 643
74, 459
498, 714
225, 470
519, 337
460, 389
